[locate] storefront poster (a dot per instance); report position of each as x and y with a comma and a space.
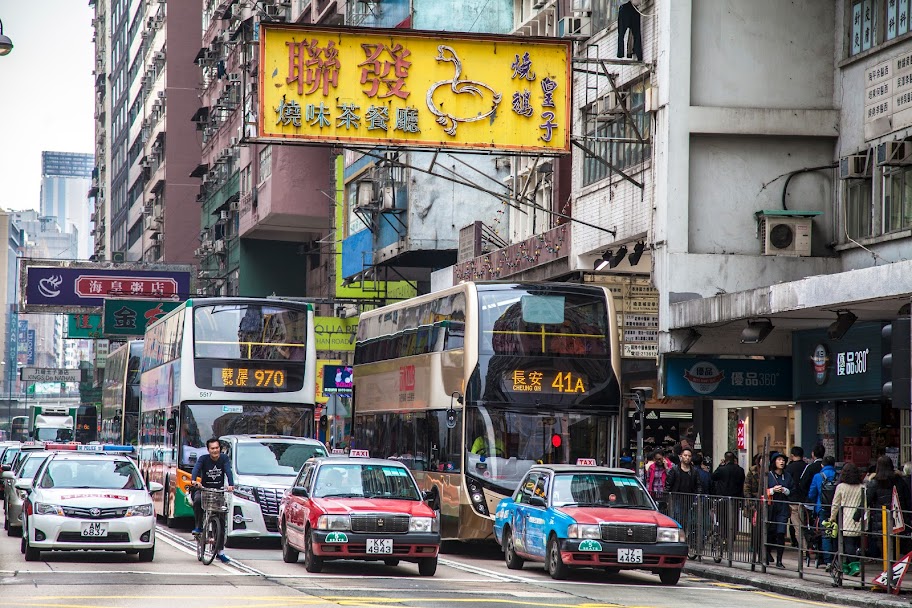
842, 369
715, 378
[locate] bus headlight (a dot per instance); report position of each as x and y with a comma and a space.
591, 531
139, 511
43, 508
671, 535
334, 522
423, 524
478, 497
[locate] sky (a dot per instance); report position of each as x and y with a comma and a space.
46, 91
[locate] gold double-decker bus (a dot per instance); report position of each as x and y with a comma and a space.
472, 385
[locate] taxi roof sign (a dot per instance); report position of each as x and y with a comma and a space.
359, 454
585, 462
337, 451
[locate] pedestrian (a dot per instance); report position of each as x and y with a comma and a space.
803, 486
706, 484
627, 461
728, 478
655, 479
879, 493
823, 488
752, 500
847, 512
795, 468
779, 486
682, 479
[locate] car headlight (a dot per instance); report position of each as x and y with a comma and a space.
334, 522
423, 524
246, 492
139, 511
43, 508
671, 535
591, 531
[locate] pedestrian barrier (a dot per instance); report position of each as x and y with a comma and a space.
733, 531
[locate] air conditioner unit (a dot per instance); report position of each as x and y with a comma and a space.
157, 237
234, 77
539, 4
159, 56
145, 163
220, 246
233, 142
235, 206
161, 95
198, 253
387, 198
223, 215
854, 166
574, 26
894, 153
790, 236
285, 3
272, 10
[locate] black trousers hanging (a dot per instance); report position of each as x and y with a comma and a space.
629, 19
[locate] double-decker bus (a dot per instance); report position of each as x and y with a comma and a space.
120, 395
472, 385
221, 366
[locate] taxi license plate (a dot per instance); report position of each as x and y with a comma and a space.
379, 545
95, 529
630, 556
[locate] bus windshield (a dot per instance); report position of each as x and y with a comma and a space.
266, 457
599, 490
200, 421
501, 446
249, 332
546, 323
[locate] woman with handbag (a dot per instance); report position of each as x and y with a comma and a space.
847, 513
879, 493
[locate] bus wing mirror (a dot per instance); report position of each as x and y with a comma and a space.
451, 418
171, 425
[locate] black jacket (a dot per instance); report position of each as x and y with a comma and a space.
684, 482
729, 480
803, 485
795, 468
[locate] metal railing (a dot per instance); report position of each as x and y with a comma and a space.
746, 531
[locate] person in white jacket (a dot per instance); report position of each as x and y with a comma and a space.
847, 511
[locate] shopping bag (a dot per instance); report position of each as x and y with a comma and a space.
899, 524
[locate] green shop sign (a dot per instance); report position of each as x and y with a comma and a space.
83, 326
130, 317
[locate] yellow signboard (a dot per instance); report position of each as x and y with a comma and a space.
321, 365
414, 89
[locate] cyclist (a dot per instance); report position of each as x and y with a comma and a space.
210, 472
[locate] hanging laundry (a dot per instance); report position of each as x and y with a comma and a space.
629, 19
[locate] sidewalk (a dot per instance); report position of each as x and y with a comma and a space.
816, 586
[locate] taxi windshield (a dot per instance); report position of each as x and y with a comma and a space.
599, 490
9, 455
100, 474
365, 481
274, 457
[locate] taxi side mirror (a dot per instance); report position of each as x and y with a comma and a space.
299, 491
430, 497
23, 484
6, 467
154, 487
8, 474
537, 501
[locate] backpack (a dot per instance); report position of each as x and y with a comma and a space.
827, 490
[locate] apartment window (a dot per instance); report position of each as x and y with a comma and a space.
858, 208
897, 211
265, 163
897, 18
353, 223
245, 180
872, 22
603, 133
604, 12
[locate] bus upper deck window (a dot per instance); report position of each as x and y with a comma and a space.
543, 310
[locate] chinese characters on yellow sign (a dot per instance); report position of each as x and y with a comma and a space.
411, 89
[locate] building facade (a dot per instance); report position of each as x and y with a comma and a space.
65, 179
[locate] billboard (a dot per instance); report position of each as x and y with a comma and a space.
78, 287
717, 378
83, 326
335, 334
413, 89
337, 379
30, 348
130, 317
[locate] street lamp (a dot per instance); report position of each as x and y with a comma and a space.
6, 45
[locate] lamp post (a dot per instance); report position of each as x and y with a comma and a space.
6, 45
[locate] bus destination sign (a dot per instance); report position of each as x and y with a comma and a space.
546, 381
242, 377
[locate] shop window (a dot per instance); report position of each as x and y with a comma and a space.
896, 19
897, 204
863, 25
859, 208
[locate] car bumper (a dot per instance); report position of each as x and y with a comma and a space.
52, 532
405, 546
659, 555
247, 520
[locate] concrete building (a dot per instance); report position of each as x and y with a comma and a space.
146, 92
13, 239
65, 179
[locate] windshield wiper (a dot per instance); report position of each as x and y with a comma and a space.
631, 507
341, 496
390, 497
581, 504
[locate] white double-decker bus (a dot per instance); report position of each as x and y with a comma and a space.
472, 385
221, 366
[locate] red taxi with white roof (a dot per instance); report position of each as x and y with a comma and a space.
358, 508
88, 497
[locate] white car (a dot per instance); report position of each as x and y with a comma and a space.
88, 501
264, 467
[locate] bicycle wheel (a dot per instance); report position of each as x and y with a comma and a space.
213, 539
715, 547
201, 540
836, 571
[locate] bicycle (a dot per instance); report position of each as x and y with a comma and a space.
717, 540
210, 541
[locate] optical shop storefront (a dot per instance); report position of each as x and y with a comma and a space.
838, 387
750, 400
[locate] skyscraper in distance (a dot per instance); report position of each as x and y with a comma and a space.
65, 181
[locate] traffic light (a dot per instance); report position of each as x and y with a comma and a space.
897, 363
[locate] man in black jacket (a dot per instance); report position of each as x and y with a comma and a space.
683, 479
729, 477
795, 468
803, 486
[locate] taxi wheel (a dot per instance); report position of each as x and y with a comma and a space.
670, 576
312, 563
31, 554
392, 562
11, 530
22, 542
514, 562
147, 555
427, 566
289, 554
556, 566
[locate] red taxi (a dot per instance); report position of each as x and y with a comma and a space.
358, 508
